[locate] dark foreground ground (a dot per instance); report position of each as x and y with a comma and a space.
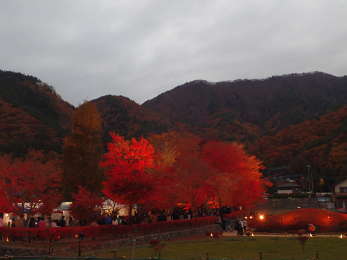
271, 248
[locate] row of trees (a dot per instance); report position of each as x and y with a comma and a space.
154, 173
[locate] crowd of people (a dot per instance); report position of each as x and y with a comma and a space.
44, 222
10, 220
32, 222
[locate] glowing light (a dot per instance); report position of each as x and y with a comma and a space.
252, 234
310, 235
341, 236
7, 239
250, 217
261, 217
211, 235
246, 217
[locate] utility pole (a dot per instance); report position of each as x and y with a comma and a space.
310, 180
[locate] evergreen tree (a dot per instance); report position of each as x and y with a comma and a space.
82, 151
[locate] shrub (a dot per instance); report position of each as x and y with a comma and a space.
323, 220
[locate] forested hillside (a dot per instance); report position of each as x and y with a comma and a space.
321, 143
32, 114
292, 120
247, 109
129, 119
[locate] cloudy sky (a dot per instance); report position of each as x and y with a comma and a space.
141, 48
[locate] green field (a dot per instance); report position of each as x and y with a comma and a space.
272, 248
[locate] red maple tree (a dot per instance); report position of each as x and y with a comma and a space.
29, 185
192, 172
86, 205
236, 179
128, 180
179, 173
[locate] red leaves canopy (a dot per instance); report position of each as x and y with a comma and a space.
209, 171
236, 179
30, 184
196, 172
126, 163
127, 155
85, 204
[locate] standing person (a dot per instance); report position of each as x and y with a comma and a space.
49, 221
114, 221
31, 222
1, 221
62, 221
13, 222
108, 220
245, 226
242, 227
227, 224
70, 222
238, 227
42, 223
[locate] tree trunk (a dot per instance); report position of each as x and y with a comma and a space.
221, 215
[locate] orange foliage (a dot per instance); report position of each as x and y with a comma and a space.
236, 178
205, 171
82, 151
190, 171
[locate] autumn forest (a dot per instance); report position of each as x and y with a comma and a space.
199, 143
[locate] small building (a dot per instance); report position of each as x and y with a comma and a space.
62, 210
341, 187
341, 196
287, 187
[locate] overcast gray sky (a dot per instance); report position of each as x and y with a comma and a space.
141, 48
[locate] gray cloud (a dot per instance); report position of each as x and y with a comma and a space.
140, 48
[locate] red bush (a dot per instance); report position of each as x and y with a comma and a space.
323, 220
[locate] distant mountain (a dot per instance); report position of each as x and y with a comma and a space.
127, 118
291, 120
247, 109
299, 140
288, 121
320, 143
32, 115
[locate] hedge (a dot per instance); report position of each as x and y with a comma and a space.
323, 220
110, 231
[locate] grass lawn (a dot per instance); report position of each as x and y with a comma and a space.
273, 248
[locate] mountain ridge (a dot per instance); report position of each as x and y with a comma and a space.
233, 96
32, 114
258, 113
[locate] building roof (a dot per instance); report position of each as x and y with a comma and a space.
290, 185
